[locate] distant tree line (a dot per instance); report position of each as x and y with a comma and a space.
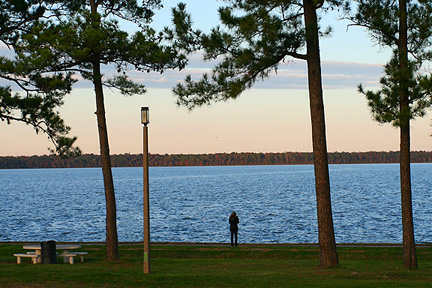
218, 159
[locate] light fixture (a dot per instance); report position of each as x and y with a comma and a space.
145, 115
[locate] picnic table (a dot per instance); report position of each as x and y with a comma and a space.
67, 255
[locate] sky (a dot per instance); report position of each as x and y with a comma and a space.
273, 116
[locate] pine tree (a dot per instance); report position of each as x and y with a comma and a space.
405, 91
256, 37
87, 38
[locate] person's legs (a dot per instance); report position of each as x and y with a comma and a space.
232, 235
236, 237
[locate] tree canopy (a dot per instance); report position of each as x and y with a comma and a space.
253, 40
381, 18
384, 103
83, 38
39, 90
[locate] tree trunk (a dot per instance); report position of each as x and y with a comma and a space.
327, 245
112, 252
111, 213
409, 249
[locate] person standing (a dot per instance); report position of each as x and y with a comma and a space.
234, 220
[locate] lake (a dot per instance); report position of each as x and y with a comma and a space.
275, 204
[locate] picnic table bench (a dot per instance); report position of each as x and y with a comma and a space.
33, 257
71, 256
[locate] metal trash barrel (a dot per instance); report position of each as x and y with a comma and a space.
48, 252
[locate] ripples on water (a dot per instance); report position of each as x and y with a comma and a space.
276, 204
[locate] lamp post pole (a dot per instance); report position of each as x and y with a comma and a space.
146, 200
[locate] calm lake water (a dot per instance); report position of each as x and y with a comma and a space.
275, 204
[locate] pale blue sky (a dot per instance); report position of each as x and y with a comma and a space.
271, 117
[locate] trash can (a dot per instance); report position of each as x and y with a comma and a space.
48, 252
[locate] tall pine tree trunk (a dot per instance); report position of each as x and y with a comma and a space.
112, 252
409, 249
327, 244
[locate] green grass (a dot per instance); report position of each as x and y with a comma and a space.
221, 266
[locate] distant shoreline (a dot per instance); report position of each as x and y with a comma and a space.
217, 159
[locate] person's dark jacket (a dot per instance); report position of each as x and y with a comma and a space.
233, 223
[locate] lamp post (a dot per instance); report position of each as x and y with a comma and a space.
146, 201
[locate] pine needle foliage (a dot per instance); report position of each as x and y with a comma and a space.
33, 91
253, 40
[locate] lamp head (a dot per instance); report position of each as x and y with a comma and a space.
145, 115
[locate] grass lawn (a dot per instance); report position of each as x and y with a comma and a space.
221, 266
